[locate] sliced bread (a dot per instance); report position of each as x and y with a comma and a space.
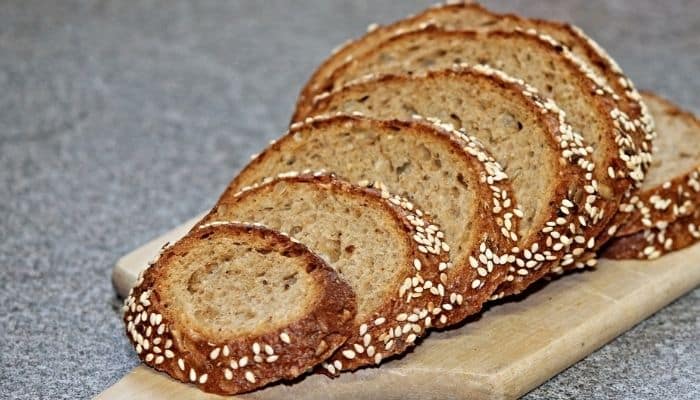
232, 307
391, 254
547, 162
672, 187
430, 164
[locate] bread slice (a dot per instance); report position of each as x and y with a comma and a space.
232, 307
672, 187
468, 16
392, 255
430, 164
654, 242
547, 162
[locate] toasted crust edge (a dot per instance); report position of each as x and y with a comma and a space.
282, 354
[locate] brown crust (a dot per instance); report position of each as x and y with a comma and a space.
497, 226
408, 313
561, 238
189, 356
673, 199
653, 243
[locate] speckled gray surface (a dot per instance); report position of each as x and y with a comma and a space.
120, 119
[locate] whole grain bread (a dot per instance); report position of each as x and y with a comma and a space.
391, 254
654, 242
547, 161
233, 307
432, 165
672, 187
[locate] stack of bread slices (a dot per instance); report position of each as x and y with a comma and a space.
448, 159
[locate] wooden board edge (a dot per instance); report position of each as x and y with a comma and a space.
618, 320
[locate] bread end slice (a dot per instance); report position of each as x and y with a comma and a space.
233, 307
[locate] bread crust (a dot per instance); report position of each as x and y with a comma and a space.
679, 196
418, 303
247, 362
653, 243
497, 225
574, 197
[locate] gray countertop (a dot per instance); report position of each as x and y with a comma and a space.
120, 119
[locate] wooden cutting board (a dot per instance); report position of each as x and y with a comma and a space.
505, 352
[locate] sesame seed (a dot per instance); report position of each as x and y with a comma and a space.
243, 361
249, 377
363, 329
214, 353
379, 321
349, 354
193, 375
203, 378
417, 264
181, 364
256, 348
285, 338
226, 351
228, 374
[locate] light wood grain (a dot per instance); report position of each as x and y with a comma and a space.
508, 350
